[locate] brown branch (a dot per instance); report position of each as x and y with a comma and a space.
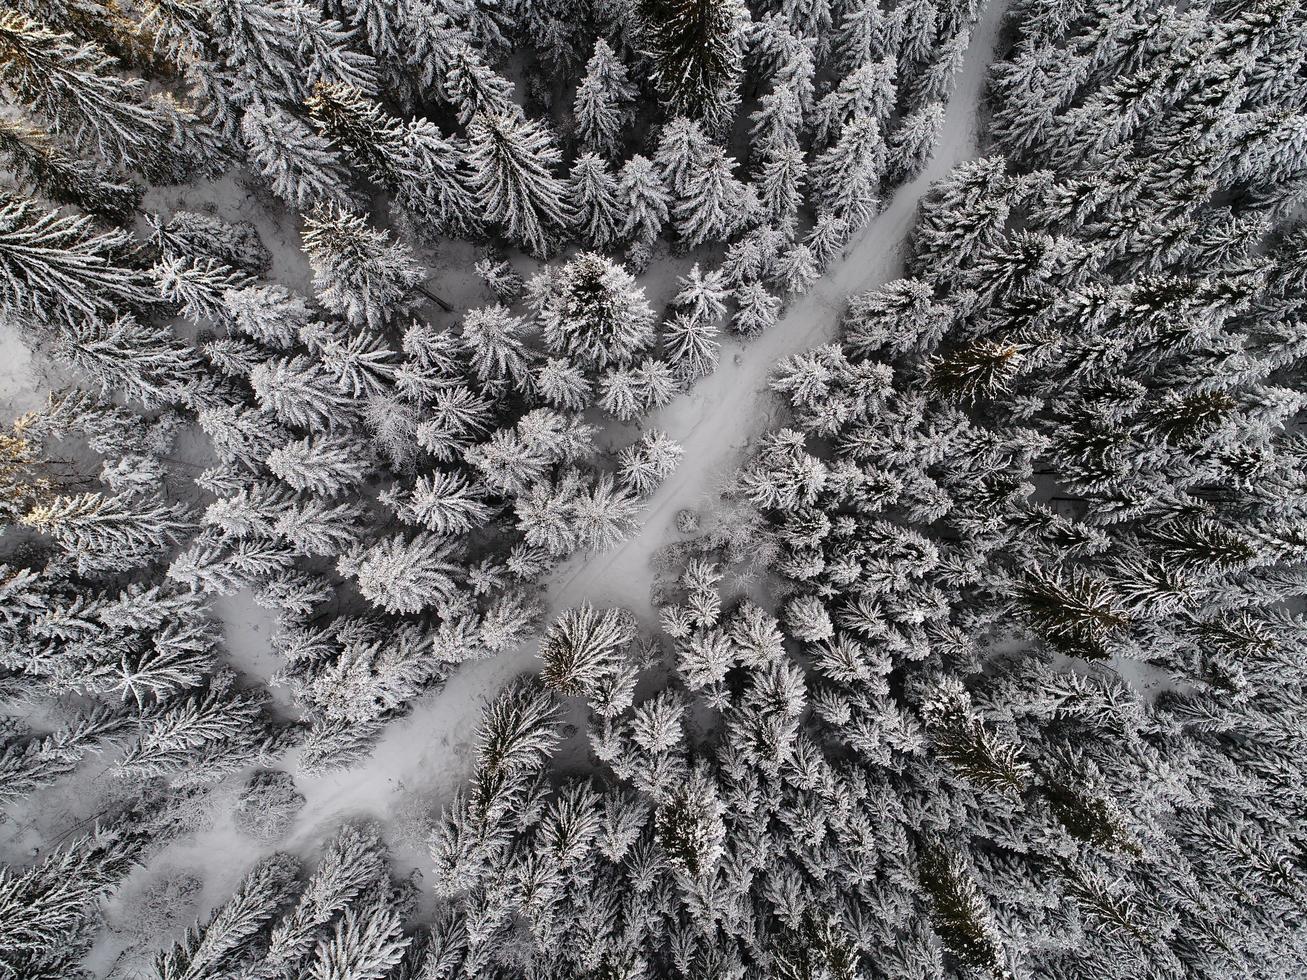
435, 299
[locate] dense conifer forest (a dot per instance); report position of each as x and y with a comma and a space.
653, 490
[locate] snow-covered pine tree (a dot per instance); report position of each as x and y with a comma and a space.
777, 123
56, 267
72, 84
621, 393
352, 866
643, 201
963, 919
648, 462
435, 195
328, 49
579, 647
827, 238
683, 149
46, 909
595, 195
500, 278
197, 286
690, 345
101, 532
868, 91
475, 89
38, 162
301, 167
300, 393
605, 514
225, 942
715, 203
204, 737
368, 940
512, 161
405, 575
781, 179
913, 141
755, 309
493, 336
935, 83
358, 271
697, 51
145, 363
432, 33
604, 104
845, 178
596, 314
446, 502
197, 235
563, 384
861, 35
702, 295
659, 383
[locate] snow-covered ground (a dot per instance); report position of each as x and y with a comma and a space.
23, 381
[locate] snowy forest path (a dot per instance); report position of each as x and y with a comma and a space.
429, 751
717, 420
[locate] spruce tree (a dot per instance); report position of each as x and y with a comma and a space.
563, 384
444, 502
715, 203
604, 101
495, 345
299, 392
402, 575
643, 201
72, 84
691, 346
48, 906
102, 532
962, 918
646, 463
56, 267
911, 144
846, 177
781, 178
596, 314
696, 47
580, 646
37, 161
326, 48
475, 89
756, 309
360, 127
594, 190
145, 363
435, 195
224, 942
683, 149
358, 271
511, 160
301, 167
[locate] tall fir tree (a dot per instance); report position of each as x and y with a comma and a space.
511, 160
359, 272
697, 51
604, 105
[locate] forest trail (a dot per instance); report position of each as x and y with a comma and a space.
717, 420
429, 752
